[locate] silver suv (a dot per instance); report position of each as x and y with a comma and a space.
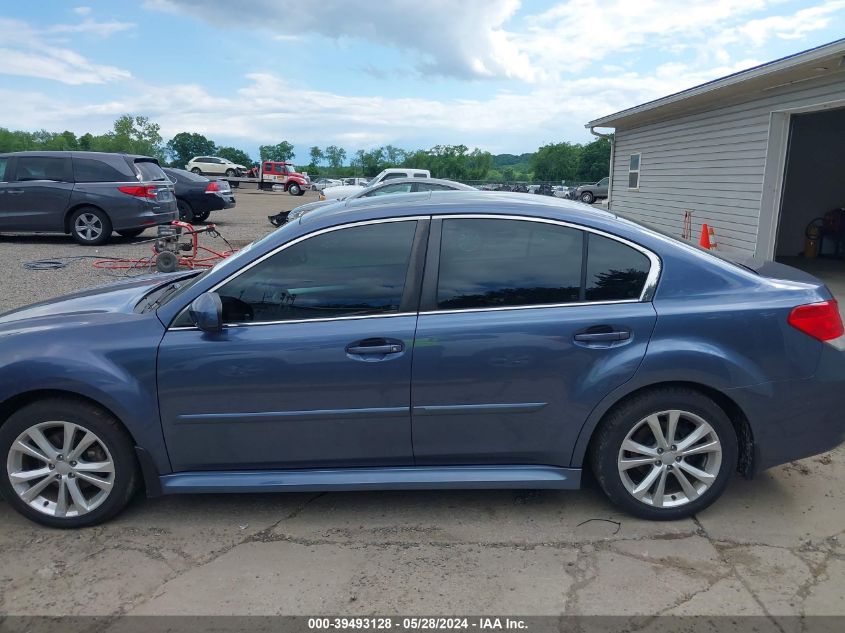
85, 194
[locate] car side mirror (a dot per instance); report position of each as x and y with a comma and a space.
206, 312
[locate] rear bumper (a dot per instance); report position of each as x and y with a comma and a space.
151, 215
797, 419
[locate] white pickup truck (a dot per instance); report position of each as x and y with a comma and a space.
344, 191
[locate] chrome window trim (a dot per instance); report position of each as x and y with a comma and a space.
649, 286
278, 249
646, 295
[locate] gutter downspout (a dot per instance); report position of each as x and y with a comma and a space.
610, 137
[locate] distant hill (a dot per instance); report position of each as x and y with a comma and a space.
509, 160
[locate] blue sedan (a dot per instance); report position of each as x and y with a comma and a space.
429, 340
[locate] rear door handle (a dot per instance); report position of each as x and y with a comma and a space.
603, 337
375, 346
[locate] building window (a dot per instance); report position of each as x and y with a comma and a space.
634, 171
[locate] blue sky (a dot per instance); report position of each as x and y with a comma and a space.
503, 75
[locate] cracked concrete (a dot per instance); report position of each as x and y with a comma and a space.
771, 546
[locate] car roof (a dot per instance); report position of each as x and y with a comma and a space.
74, 153
454, 203
459, 186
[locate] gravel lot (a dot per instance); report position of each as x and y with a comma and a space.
770, 547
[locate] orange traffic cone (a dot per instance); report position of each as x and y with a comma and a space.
704, 242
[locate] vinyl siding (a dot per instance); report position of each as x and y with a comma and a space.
709, 162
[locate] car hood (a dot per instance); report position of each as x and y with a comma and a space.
121, 296
341, 192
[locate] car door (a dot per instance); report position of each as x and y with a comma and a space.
37, 194
313, 367
601, 187
524, 327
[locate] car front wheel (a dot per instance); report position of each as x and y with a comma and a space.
67, 463
666, 454
230, 173
196, 170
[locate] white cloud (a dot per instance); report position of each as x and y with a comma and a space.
104, 28
29, 52
492, 39
81, 10
786, 27
269, 107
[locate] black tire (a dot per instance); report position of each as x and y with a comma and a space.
167, 262
588, 197
201, 216
186, 212
131, 232
92, 418
295, 189
196, 170
93, 217
614, 428
230, 173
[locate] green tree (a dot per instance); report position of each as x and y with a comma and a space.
85, 141
283, 151
317, 156
556, 161
594, 163
335, 156
135, 135
186, 145
235, 155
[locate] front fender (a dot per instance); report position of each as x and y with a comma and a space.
117, 370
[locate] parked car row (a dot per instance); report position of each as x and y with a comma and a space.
88, 195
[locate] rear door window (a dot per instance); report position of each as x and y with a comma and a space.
41, 168
149, 171
487, 263
3, 163
95, 170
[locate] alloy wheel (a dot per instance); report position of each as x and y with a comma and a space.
88, 226
60, 469
670, 458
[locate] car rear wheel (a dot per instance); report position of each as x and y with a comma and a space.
90, 227
201, 216
230, 173
666, 454
67, 463
295, 190
196, 170
131, 232
186, 213
588, 197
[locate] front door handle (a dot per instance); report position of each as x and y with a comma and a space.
375, 346
603, 337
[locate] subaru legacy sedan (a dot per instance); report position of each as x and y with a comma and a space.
427, 340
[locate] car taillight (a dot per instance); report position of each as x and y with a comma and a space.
140, 191
212, 187
821, 320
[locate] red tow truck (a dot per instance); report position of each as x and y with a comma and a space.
271, 173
